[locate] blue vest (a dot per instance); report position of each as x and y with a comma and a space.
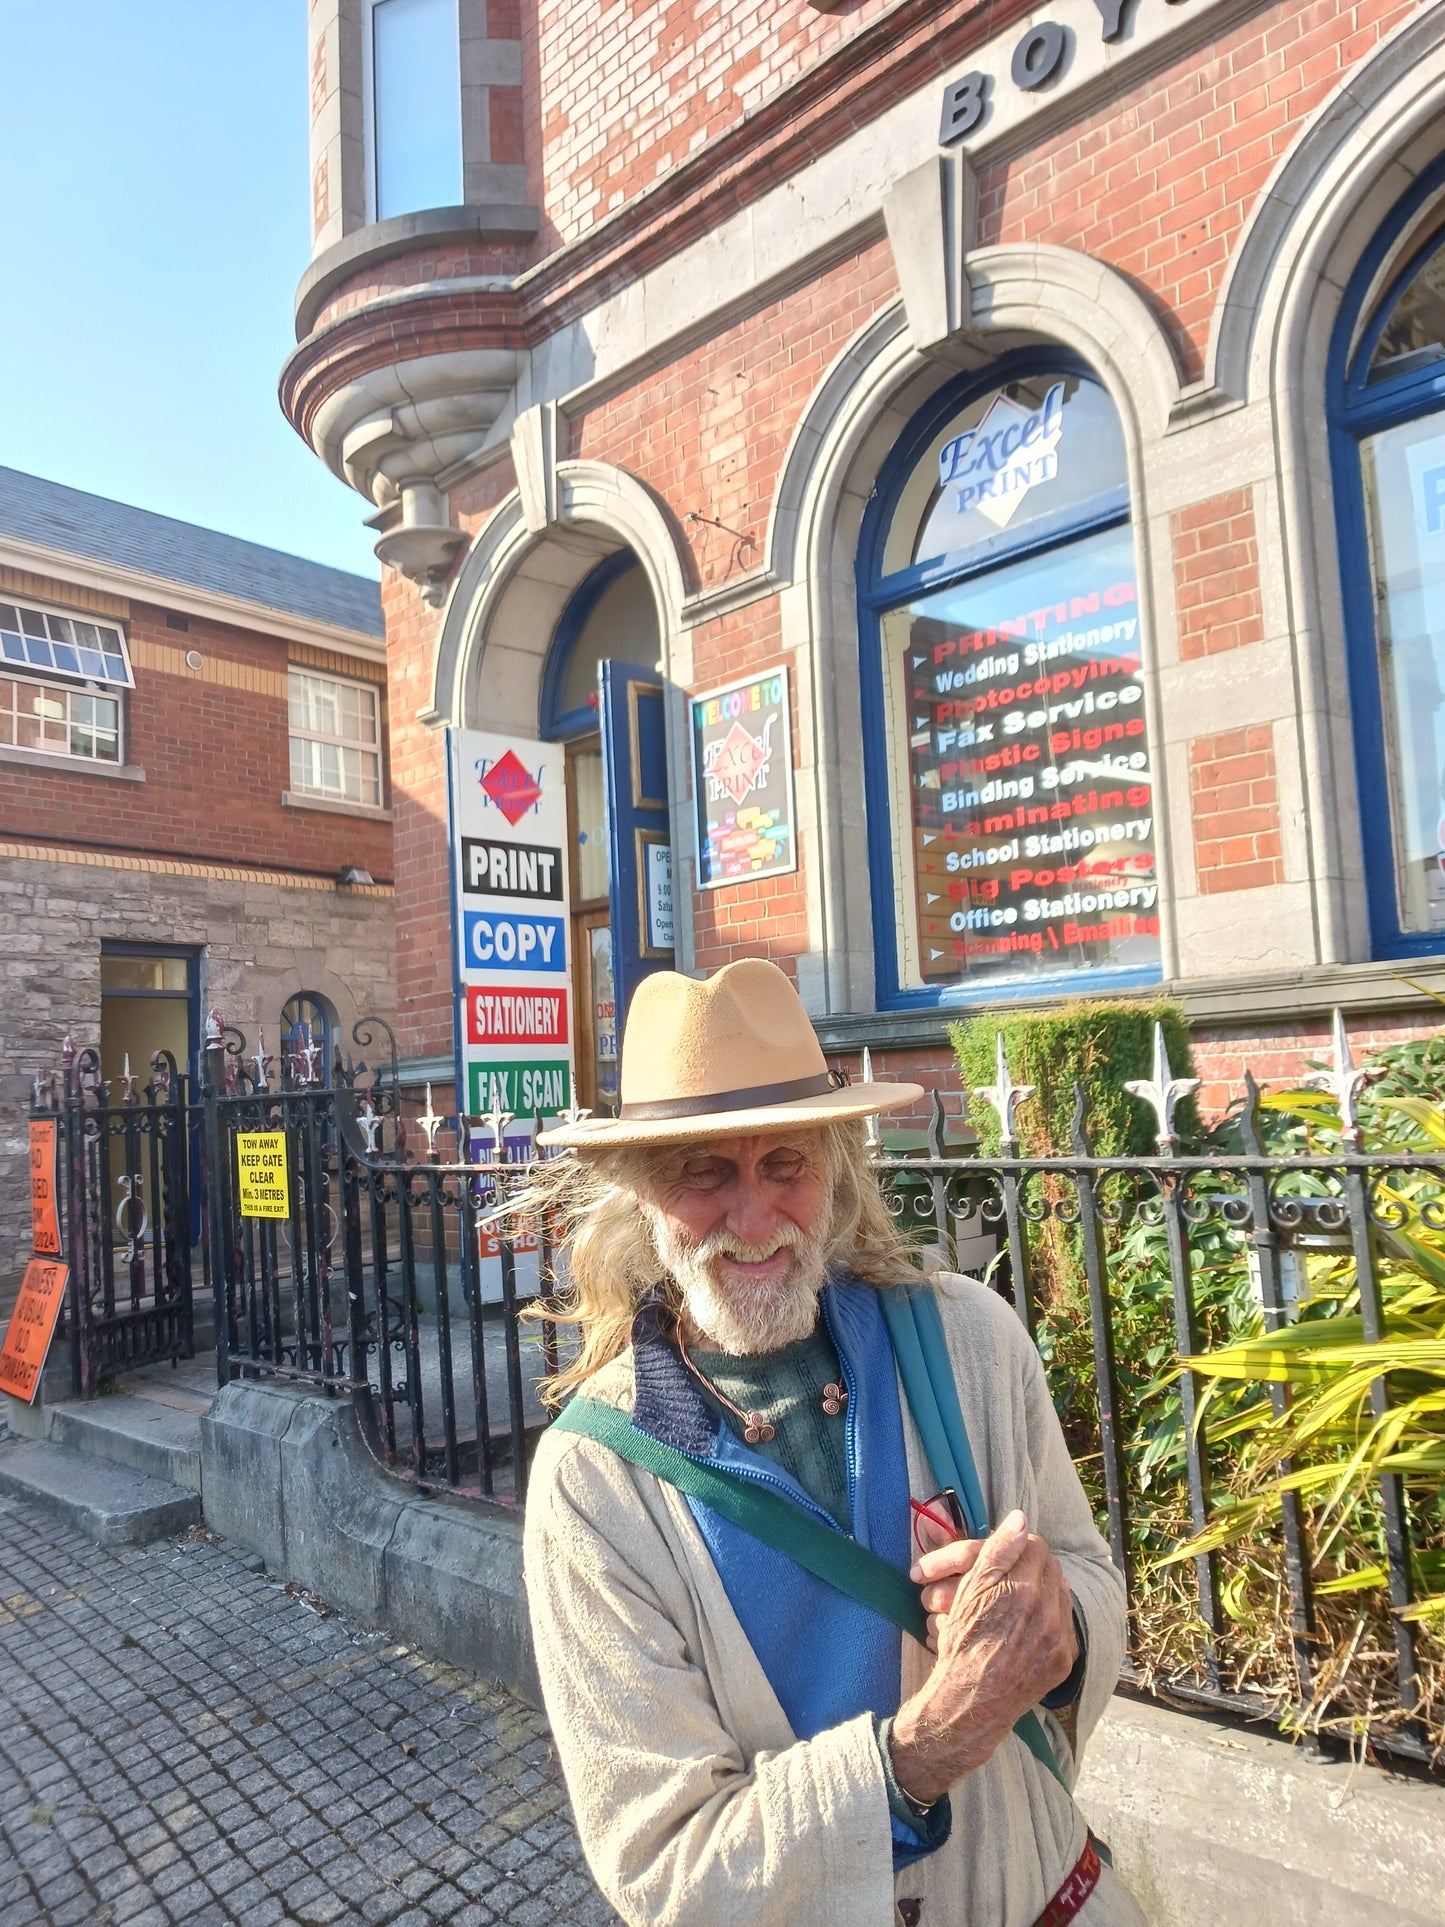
827, 1657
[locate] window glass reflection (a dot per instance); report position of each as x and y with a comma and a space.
1414, 336
416, 105
1404, 476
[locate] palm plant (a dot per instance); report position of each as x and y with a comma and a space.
1333, 1441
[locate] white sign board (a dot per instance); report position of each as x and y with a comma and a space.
510, 927
658, 934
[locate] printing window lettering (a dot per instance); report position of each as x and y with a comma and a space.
1020, 766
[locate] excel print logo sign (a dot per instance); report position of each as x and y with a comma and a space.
993, 467
510, 786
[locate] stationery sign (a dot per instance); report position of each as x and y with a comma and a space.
742, 780
509, 926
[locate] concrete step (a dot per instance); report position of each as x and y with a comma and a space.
111, 1504
143, 1433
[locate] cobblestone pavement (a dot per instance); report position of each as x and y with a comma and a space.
182, 1740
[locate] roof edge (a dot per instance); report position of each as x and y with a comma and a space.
241, 612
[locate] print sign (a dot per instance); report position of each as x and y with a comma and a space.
991, 468
509, 922
742, 780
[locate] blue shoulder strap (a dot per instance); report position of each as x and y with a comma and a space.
921, 1350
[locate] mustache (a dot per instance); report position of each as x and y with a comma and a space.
723, 1243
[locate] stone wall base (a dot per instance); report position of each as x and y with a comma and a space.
287, 1474
1217, 1826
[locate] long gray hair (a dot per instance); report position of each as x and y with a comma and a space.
594, 1202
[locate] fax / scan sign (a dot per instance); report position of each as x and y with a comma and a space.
265, 1188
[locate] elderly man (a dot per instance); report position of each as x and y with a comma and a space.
780, 1456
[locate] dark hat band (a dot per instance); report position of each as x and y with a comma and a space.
754, 1098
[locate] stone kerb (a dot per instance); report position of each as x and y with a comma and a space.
286, 1473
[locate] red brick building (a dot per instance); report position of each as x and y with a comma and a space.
194, 805
1052, 391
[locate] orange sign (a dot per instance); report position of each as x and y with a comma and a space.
44, 1191
42, 1292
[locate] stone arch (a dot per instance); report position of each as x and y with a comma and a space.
516, 580
1015, 295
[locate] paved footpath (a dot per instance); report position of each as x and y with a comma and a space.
183, 1740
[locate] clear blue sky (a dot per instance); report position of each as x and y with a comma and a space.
153, 226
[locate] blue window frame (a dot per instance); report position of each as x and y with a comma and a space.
1007, 774
570, 698
1387, 428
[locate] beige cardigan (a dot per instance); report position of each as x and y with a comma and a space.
695, 1802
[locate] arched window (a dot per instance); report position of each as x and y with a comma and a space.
308, 1037
1008, 776
611, 614
1388, 428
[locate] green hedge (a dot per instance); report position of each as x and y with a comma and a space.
1101, 1045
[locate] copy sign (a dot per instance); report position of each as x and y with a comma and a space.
510, 926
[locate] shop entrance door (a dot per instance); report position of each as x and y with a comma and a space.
639, 837
621, 869
593, 1003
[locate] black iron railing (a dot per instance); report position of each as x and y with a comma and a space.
391, 1278
127, 1169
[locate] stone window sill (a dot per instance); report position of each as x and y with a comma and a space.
71, 765
373, 812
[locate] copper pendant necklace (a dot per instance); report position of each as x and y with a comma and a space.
758, 1430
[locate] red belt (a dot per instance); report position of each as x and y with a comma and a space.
1075, 1891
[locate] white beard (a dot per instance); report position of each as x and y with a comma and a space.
744, 1316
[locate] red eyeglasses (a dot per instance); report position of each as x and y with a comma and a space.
942, 1510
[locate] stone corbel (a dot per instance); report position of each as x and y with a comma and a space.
418, 538
534, 457
932, 220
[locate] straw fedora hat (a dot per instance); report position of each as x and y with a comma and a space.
731, 1056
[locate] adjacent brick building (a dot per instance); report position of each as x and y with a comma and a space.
194, 806
1052, 390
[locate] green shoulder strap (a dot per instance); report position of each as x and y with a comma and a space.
828, 1554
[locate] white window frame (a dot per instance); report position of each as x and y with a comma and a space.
36, 672
102, 692
368, 105
373, 748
